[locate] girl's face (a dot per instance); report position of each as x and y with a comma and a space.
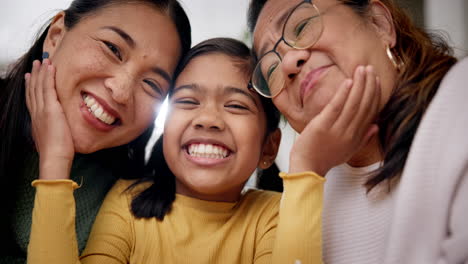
215, 129
113, 70
314, 74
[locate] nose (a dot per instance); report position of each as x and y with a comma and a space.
209, 118
120, 87
293, 61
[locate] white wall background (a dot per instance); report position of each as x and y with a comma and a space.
452, 17
20, 21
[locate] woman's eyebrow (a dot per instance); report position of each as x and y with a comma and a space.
162, 73
126, 37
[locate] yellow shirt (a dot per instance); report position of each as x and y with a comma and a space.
195, 231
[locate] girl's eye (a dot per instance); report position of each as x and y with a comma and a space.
186, 102
155, 87
237, 106
114, 49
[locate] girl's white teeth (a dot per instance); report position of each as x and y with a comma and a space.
97, 110
207, 151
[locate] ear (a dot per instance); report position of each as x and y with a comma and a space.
270, 149
382, 21
55, 34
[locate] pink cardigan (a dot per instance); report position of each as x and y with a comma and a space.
430, 219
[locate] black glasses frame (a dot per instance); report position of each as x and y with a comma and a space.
250, 85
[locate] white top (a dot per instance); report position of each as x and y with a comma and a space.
355, 224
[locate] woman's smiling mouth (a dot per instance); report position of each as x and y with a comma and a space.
99, 111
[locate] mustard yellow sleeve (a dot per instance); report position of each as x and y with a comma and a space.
53, 236
266, 233
112, 236
299, 232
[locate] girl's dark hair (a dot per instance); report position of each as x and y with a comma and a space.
15, 124
157, 199
426, 58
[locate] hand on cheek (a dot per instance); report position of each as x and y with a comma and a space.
50, 130
341, 128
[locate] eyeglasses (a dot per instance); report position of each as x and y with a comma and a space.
302, 28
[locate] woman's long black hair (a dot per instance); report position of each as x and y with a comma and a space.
157, 199
16, 143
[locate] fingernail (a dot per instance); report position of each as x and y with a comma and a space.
348, 83
361, 69
45, 55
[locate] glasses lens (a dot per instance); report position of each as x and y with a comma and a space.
267, 78
304, 27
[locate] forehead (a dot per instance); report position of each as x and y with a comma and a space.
214, 68
154, 33
114, 12
213, 73
270, 22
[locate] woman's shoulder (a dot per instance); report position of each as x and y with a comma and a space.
458, 74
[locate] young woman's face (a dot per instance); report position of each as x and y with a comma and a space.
215, 129
113, 70
314, 74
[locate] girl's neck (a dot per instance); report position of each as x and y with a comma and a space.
367, 155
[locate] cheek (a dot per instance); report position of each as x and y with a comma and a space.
77, 63
145, 112
253, 138
284, 102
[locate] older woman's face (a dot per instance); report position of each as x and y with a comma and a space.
314, 74
113, 70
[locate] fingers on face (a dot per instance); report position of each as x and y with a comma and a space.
365, 112
27, 79
332, 111
354, 101
50, 94
40, 85
32, 84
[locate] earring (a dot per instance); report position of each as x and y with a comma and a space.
45, 55
265, 163
392, 58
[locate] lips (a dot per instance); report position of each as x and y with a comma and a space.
100, 110
98, 114
208, 151
310, 81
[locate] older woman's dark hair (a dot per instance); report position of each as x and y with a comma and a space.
157, 199
426, 59
16, 144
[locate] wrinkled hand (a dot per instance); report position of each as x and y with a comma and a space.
341, 128
50, 128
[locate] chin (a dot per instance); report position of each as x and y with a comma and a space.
85, 147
